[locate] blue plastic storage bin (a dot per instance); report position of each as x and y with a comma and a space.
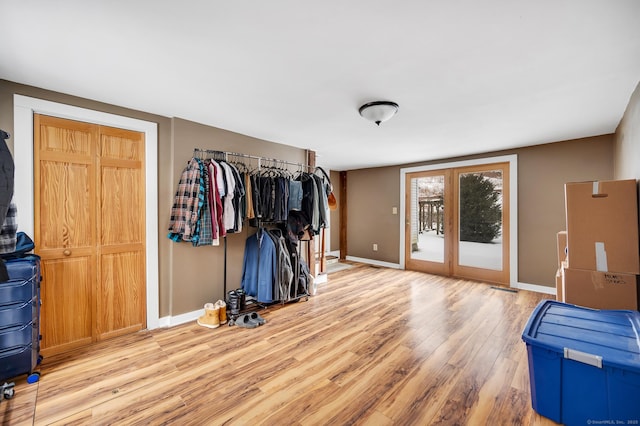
584, 364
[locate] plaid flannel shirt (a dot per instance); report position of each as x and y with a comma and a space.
188, 202
9, 231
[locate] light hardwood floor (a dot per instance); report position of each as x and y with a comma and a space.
375, 346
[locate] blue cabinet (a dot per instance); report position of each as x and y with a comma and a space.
20, 318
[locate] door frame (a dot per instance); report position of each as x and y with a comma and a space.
513, 204
23, 109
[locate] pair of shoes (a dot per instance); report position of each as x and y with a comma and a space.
244, 321
250, 320
211, 317
255, 317
214, 315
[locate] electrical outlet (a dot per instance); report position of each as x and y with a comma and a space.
394, 210
375, 247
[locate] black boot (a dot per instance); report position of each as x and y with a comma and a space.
243, 298
233, 303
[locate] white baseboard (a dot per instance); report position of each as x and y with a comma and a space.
374, 262
335, 253
172, 321
535, 287
320, 278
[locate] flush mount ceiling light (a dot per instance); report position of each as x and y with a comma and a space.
378, 111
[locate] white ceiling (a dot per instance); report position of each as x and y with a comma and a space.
470, 76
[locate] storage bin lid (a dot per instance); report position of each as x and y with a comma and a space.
612, 335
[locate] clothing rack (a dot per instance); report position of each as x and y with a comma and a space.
263, 162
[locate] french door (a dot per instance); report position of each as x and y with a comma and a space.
457, 222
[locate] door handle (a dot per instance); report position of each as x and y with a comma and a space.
67, 252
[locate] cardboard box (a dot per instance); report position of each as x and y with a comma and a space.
561, 238
602, 226
600, 290
559, 291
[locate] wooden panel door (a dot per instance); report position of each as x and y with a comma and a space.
89, 214
65, 232
121, 284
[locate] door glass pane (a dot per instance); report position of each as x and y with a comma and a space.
427, 218
480, 224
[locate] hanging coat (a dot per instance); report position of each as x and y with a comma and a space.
7, 167
259, 268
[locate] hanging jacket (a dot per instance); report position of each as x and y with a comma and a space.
205, 227
259, 267
7, 167
285, 270
239, 193
266, 197
281, 203
249, 211
309, 191
220, 179
256, 196
323, 204
228, 209
215, 202
315, 218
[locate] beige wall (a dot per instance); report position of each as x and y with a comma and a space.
188, 276
627, 141
371, 196
542, 173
